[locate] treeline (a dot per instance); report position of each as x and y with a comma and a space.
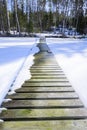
30, 16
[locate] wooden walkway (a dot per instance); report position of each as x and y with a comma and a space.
45, 102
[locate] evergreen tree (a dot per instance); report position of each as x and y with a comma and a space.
29, 26
45, 21
50, 19
2, 28
33, 15
16, 16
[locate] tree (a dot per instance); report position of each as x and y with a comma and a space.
39, 15
56, 4
27, 9
29, 26
40, 11
7, 16
78, 15
1, 17
80, 20
16, 16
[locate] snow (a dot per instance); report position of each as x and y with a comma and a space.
16, 57
71, 55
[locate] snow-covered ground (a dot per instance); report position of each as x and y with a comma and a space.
16, 57
71, 54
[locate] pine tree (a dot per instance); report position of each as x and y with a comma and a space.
29, 26
7, 18
16, 16
80, 23
1, 17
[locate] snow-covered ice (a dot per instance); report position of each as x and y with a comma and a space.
16, 57
71, 54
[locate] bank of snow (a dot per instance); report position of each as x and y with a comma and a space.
71, 54
16, 57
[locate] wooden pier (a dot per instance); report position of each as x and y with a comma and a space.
45, 102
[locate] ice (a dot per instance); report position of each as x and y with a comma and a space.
71, 55
16, 57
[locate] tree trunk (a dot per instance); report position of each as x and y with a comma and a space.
1, 17
27, 10
8, 19
16, 15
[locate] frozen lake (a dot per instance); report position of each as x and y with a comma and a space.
16, 57
71, 54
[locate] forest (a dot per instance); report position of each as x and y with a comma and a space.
28, 16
